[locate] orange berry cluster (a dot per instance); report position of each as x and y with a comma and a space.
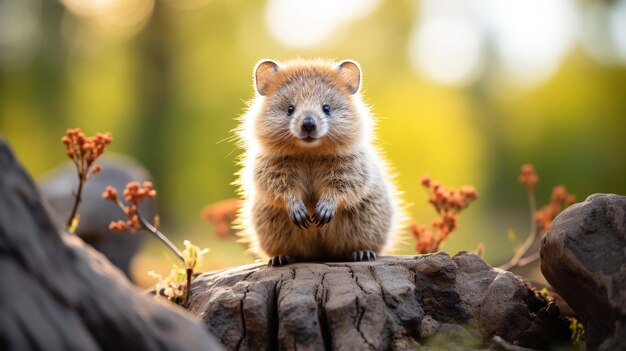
528, 176
222, 214
424, 238
559, 200
448, 200
84, 150
448, 203
134, 194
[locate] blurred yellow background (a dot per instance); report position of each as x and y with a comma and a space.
466, 91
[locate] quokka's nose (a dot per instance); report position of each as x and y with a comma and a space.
308, 125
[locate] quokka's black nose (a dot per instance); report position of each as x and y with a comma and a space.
308, 125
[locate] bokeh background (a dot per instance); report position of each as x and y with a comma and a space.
466, 91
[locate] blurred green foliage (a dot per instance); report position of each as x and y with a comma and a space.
169, 86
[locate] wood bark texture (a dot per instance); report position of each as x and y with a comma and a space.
395, 303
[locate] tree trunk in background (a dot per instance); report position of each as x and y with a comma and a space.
154, 139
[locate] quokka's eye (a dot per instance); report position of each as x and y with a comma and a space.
326, 109
290, 110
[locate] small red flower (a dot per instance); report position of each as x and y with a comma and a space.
528, 176
448, 203
110, 193
559, 200
134, 193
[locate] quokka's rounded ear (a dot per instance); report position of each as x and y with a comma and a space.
264, 73
350, 72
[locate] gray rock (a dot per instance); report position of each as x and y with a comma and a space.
427, 302
583, 256
95, 214
59, 294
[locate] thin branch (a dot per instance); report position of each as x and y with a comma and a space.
188, 288
189, 270
528, 260
530, 239
77, 199
152, 229
161, 237
532, 204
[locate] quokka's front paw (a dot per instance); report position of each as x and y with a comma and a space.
299, 215
324, 213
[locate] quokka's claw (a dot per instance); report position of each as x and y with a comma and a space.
300, 218
323, 214
363, 255
278, 261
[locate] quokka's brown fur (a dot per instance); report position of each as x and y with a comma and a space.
321, 197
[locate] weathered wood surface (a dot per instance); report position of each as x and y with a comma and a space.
59, 294
395, 303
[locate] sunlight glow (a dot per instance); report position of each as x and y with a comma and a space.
618, 29
116, 17
448, 51
305, 23
528, 39
531, 36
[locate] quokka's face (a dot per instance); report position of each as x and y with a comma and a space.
308, 105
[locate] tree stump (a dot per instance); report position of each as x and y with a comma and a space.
394, 303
